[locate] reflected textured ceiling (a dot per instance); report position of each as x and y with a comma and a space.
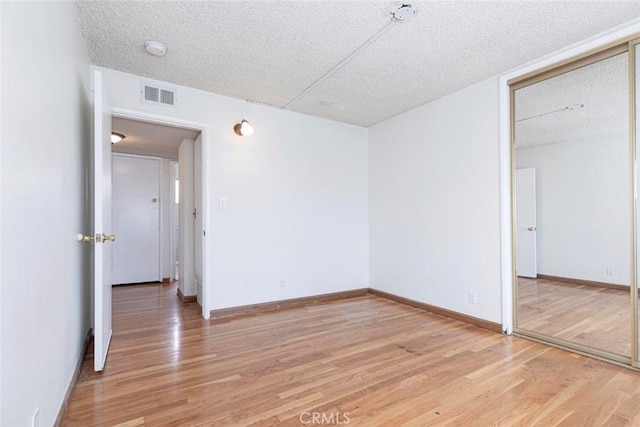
603, 89
270, 51
149, 139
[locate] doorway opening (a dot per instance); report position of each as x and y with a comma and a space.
159, 203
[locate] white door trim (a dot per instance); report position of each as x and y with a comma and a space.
506, 235
162, 213
204, 129
172, 220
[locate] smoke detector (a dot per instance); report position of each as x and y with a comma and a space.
404, 13
155, 48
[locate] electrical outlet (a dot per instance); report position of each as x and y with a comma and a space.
35, 419
282, 285
473, 297
611, 271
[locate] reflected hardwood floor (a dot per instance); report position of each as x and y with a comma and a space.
373, 361
595, 316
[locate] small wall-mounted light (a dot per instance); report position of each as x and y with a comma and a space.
116, 137
243, 128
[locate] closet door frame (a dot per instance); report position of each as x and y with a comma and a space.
634, 45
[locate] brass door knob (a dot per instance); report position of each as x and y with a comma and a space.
108, 237
83, 238
530, 228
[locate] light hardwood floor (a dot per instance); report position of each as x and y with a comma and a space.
373, 361
594, 316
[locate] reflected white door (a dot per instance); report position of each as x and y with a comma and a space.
136, 219
526, 263
102, 231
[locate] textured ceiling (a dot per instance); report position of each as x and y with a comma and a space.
603, 89
271, 51
149, 139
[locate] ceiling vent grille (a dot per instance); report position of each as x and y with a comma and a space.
166, 97
153, 94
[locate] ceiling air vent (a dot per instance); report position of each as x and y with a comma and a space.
153, 94
166, 97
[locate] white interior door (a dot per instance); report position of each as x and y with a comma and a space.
102, 231
136, 219
526, 263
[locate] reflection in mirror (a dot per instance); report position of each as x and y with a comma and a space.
572, 207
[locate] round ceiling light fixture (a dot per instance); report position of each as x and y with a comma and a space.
155, 48
116, 137
404, 13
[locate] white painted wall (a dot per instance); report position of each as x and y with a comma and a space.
296, 191
434, 202
46, 134
185, 218
582, 207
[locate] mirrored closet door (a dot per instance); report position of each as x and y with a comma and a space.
573, 206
